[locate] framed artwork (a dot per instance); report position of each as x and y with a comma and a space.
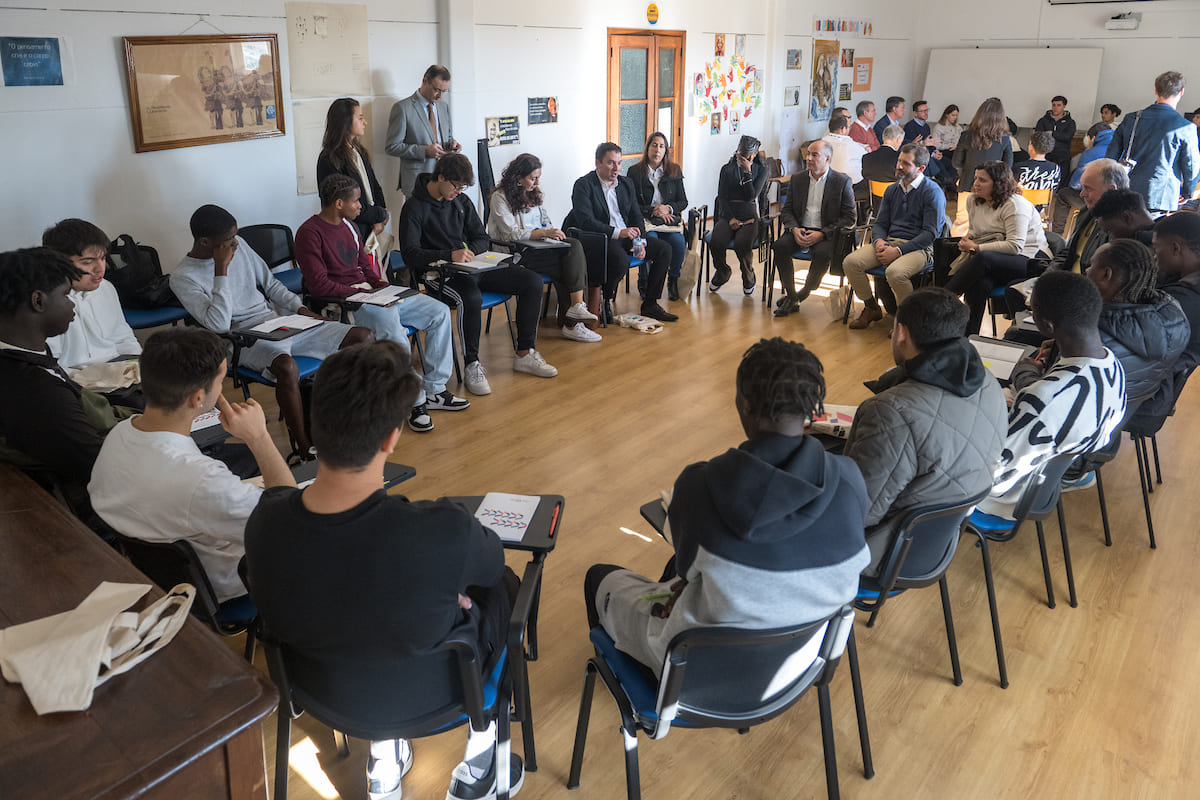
843, 92
791, 95
793, 59
847, 57
718, 45
186, 91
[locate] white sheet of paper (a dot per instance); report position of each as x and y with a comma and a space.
508, 515
999, 357
379, 297
206, 420
297, 321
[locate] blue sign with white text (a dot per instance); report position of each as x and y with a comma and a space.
31, 61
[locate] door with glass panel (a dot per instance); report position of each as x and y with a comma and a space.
645, 90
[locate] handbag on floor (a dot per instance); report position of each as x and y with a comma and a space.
689, 272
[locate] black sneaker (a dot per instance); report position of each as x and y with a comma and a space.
419, 419
787, 306
608, 312
465, 787
655, 311
719, 280
446, 401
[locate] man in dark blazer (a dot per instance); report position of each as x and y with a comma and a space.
419, 128
1163, 146
880, 164
604, 202
820, 203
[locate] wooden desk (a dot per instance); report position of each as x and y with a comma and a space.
183, 723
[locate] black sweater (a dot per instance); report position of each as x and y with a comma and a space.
431, 230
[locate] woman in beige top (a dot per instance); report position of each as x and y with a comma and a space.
1004, 242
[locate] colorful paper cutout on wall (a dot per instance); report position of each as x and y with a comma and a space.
729, 86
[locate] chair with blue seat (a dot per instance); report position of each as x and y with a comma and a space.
243, 376
141, 318
919, 554
723, 677
169, 564
465, 696
1039, 498
275, 245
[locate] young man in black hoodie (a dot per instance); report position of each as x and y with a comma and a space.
933, 431
439, 224
766, 535
1058, 122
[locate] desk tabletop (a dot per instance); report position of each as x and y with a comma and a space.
142, 726
542, 534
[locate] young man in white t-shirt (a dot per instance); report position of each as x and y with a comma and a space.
151, 481
99, 332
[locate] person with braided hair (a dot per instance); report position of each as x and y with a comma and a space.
1143, 326
766, 535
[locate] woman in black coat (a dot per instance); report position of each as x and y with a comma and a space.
658, 183
343, 154
739, 190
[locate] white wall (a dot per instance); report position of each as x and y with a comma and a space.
69, 149
1169, 38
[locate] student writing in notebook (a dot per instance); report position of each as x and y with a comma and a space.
331, 258
354, 580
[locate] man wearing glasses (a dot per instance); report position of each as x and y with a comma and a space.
439, 224
419, 129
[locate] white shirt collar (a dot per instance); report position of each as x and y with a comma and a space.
916, 182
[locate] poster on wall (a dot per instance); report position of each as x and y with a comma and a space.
843, 92
719, 45
862, 74
327, 50
739, 45
715, 124
543, 110
824, 79
193, 90
847, 57
502, 130
31, 61
729, 85
791, 95
793, 59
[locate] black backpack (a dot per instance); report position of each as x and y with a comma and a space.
136, 274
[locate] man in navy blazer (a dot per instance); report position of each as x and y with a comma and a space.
419, 128
604, 201
820, 204
1163, 145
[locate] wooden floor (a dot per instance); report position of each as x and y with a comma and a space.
1099, 705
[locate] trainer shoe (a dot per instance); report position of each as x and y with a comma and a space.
749, 290
579, 312
869, 314
533, 363
1082, 482
384, 774
476, 379
446, 401
655, 311
719, 280
787, 305
419, 419
464, 786
580, 333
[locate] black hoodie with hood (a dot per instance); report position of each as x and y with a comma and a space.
431, 230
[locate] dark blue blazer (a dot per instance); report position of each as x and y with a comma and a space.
1165, 149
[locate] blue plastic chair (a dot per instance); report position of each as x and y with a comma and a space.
139, 318
292, 279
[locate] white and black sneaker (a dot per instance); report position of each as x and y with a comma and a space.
419, 419
389, 762
446, 401
464, 786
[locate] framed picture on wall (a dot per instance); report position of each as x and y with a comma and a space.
186, 91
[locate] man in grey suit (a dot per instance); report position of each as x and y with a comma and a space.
1162, 145
820, 203
419, 128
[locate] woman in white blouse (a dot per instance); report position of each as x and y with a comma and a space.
1004, 243
517, 215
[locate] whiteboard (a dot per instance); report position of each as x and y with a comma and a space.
1023, 78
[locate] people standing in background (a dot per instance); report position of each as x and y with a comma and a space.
658, 183
1058, 122
420, 130
1162, 146
863, 131
987, 139
342, 153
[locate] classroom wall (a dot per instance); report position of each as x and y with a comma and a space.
1168, 38
73, 145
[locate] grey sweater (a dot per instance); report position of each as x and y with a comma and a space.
248, 295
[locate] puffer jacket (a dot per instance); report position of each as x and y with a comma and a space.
931, 434
1146, 338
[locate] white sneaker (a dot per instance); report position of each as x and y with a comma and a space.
580, 333
533, 363
384, 771
476, 379
580, 313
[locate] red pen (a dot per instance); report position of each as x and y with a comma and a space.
554, 520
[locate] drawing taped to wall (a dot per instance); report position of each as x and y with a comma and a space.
824, 79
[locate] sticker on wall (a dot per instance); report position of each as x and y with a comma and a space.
739, 45
652, 14
793, 59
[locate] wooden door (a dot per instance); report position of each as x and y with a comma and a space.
645, 90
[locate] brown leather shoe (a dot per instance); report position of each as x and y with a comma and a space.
868, 315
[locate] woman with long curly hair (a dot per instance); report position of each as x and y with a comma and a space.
1004, 239
517, 215
342, 153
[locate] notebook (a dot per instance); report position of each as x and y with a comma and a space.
1000, 356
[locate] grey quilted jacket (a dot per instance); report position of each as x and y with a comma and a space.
931, 434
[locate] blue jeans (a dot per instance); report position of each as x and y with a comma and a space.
425, 314
678, 250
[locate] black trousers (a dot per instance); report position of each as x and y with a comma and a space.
658, 257
742, 241
819, 255
979, 275
466, 288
